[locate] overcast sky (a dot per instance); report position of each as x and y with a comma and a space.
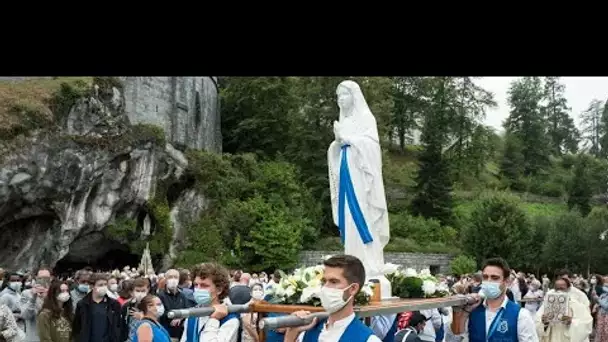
580, 91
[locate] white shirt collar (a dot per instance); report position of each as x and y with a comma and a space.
503, 305
341, 323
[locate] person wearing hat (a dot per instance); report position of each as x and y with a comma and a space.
414, 327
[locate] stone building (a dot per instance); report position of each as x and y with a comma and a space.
186, 107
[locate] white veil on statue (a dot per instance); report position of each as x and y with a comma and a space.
361, 121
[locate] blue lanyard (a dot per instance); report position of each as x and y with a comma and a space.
495, 323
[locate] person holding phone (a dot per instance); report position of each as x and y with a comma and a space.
32, 301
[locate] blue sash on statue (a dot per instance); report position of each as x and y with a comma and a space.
347, 192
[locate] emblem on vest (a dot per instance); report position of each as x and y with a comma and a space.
503, 327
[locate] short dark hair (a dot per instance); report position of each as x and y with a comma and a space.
351, 266
563, 272
125, 288
560, 277
217, 273
417, 318
500, 263
141, 282
184, 274
95, 277
145, 302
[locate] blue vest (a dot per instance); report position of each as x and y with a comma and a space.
390, 335
504, 330
272, 335
355, 332
159, 333
193, 330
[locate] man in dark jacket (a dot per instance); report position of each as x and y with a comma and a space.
97, 317
129, 314
173, 299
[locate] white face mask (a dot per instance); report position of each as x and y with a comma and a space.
332, 300
172, 283
15, 286
257, 295
138, 296
160, 310
102, 290
63, 297
113, 287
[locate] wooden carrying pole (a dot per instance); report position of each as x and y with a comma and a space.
385, 307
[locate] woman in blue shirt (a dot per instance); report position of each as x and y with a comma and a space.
149, 329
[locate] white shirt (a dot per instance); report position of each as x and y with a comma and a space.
526, 328
533, 306
381, 325
579, 296
433, 322
334, 332
210, 330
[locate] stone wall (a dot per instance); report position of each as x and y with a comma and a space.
437, 263
186, 107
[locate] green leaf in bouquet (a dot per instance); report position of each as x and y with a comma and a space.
307, 277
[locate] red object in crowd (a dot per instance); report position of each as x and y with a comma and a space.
403, 320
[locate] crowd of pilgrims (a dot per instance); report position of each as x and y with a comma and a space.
128, 305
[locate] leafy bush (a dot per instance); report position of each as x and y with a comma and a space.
463, 264
408, 287
498, 227
260, 209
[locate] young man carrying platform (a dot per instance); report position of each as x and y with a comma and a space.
497, 319
211, 286
343, 278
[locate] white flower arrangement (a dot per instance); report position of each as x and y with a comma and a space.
413, 284
303, 286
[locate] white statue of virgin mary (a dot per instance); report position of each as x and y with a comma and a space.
356, 185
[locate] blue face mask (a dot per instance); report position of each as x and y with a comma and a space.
202, 297
84, 288
491, 290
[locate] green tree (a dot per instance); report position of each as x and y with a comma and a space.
512, 164
565, 245
581, 187
463, 264
604, 136
275, 237
471, 104
527, 123
592, 127
256, 113
498, 227
406, 109
561, 130
596, 224
433, 189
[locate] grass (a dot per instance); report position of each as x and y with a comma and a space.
30, 104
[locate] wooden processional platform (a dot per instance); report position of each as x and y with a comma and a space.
385, 307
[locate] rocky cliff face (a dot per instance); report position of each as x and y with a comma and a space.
108, 176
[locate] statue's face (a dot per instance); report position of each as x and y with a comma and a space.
345, 99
